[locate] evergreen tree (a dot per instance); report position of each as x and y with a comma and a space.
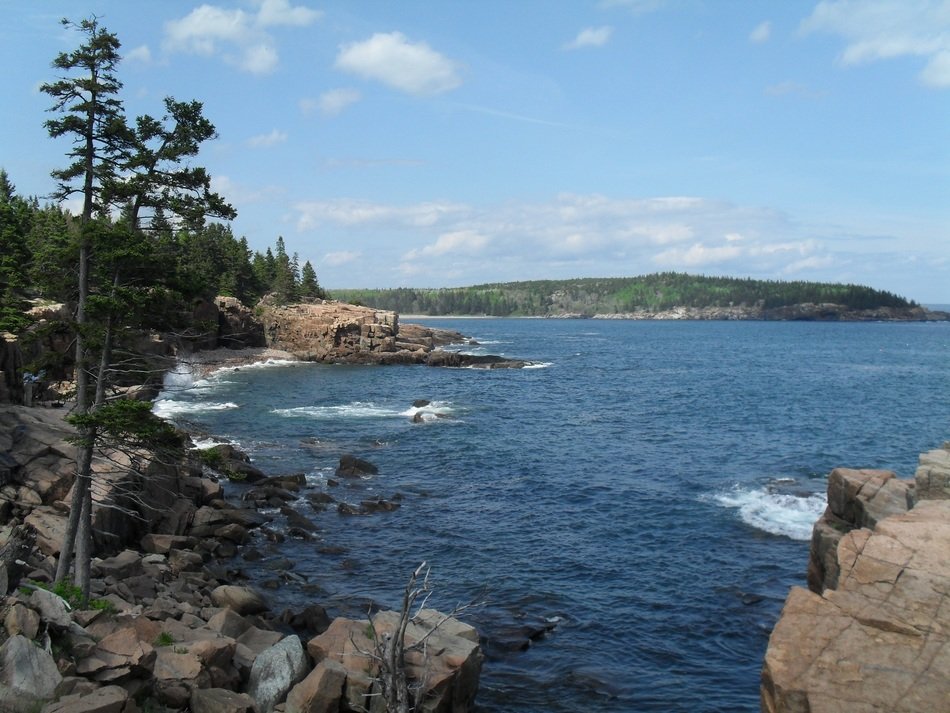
16, 218
90, 114
310, 289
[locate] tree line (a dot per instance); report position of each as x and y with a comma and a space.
176, 264
589, 296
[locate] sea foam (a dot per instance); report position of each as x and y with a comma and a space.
775, 512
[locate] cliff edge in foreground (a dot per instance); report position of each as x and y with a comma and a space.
873, 634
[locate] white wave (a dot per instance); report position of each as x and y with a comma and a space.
202, 444
266, 364
430, 412
181, 378
538, 365
774, 512
167, 408
357, 409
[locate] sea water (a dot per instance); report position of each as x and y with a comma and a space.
629, 514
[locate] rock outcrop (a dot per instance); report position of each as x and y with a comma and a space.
337, 332
170, 629
873, 634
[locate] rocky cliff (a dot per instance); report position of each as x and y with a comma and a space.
873, 632
337, 332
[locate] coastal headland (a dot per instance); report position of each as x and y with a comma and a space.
872, 631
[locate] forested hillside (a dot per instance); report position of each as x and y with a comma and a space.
589, 296
173, 266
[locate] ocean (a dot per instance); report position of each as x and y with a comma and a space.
628, 513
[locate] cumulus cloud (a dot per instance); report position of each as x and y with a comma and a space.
352, 212
281, 12
142, 54
239, 37
881, 29
335, 101
342, 257
390, 58
267, 140
465, 242
590, 37
570, 235
761, 33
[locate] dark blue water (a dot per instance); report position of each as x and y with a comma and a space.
649, 492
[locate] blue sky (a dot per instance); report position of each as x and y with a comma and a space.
451, 143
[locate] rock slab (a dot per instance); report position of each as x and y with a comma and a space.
880, 641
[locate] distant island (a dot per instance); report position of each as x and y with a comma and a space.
667, 295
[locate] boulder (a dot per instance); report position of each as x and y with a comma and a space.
856, 498
320, 691
242, 600
220, 700
108, 699
933, 474
161, 543
118, 656
22, 620
28, 675
353, 467
127, 563
276, 671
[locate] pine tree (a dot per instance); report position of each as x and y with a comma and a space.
310, 289
90, 113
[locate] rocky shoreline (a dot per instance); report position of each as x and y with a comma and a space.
872, 632
806, 312
173, 624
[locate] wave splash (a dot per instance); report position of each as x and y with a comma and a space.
773, 510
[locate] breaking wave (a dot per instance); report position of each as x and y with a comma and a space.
770, 509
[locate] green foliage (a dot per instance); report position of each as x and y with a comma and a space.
591, 296
130, 424
164, 639
72, 595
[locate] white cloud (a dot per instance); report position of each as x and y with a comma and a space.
590, 37
140, 54
761, 33
236, 36
342, 257
437, 244
881, 29
465, 242
351, 212
259, 59
697, 255
267, 140
335, 101
281, 12
390, 58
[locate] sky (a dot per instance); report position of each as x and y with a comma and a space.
445, 143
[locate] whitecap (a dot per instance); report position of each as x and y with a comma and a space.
432, 411
538, 365
167, 408
777, 513
356, 409
265, 364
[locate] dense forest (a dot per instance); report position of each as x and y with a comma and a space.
590, 296
174, 265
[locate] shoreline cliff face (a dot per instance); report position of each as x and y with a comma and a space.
872, 632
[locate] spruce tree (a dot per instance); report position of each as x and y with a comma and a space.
90, 114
